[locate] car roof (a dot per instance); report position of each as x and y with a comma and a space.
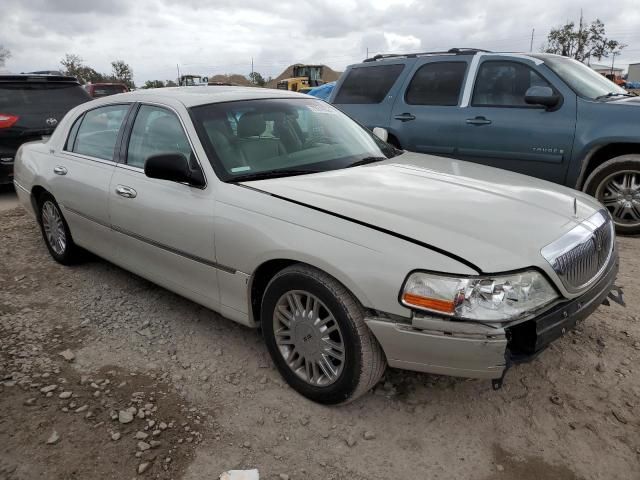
200, 95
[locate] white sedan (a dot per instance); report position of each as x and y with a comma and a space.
277, 210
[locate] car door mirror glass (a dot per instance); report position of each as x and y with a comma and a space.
381, 133
173, 167
539, 95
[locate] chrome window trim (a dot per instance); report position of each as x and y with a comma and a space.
184, 129
573, 239
88, 157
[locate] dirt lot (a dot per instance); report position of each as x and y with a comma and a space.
203, 396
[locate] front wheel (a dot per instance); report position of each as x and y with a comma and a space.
315, 333
616, 184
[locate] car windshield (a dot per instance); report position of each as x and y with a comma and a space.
253, 139
582, 79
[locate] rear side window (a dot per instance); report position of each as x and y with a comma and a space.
40, 97
504, 84
98, 132
368, 84
437, 83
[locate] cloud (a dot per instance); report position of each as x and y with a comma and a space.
222, 36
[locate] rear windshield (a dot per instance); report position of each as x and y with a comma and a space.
368, 84
22, 97
106, 90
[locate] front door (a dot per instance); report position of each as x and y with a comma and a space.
500, 129
163, 230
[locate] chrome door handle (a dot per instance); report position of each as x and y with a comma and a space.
60, 170
478, 121
405, 117
126, 192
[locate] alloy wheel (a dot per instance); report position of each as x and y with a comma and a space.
54, 227
620, 193
309, 338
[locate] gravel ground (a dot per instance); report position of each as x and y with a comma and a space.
153, 386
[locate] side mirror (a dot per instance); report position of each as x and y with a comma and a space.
381, 133
541, 96
173, 167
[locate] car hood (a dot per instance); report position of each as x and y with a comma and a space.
493, 218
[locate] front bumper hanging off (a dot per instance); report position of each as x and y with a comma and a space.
468, 349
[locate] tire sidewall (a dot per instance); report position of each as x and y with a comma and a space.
341, 389
624, 162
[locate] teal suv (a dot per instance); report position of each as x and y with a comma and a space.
539, 114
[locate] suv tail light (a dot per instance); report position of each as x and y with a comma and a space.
7, 120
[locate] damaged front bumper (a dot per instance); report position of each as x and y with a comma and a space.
469, 349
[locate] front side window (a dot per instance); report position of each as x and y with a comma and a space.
581, 78
156, 130
367, 85
98, 132
437, 83
504, 84
254, 139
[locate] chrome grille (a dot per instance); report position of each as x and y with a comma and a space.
580, 256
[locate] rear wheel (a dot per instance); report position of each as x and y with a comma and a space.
55, 231
315, 332
616, 184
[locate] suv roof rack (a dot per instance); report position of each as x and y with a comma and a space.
28, 77
451, 51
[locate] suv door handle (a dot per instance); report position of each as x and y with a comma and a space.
405, 117
126, 192
59, 170
478, 121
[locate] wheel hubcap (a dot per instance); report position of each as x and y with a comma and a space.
53, 228
620, 193
309, 338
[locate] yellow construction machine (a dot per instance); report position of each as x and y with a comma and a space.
304, 76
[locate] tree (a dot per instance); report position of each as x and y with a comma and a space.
583, 42
153, 84
74, 67
170, 83
257, 79
5, 53
122, 72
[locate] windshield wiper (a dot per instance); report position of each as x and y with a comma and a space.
614, 94
367, 160
283, 172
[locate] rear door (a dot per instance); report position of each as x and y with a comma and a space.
498, 128
82, 171
425, 114
366, 92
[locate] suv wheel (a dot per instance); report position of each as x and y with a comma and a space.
616, 184
55, 231
315, 332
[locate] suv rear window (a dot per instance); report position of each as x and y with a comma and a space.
368, 84
437, 83
23, 97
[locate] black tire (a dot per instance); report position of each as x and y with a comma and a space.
70, 253
602, 176
364, 360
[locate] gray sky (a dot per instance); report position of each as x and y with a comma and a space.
220, 36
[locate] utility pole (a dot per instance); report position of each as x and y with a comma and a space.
613, 59
533, 31
252, 81
367, 53
178, 68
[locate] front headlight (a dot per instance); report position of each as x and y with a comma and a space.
487, 298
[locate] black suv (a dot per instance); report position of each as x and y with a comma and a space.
30, 107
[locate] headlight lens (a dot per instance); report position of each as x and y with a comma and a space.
491, 298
